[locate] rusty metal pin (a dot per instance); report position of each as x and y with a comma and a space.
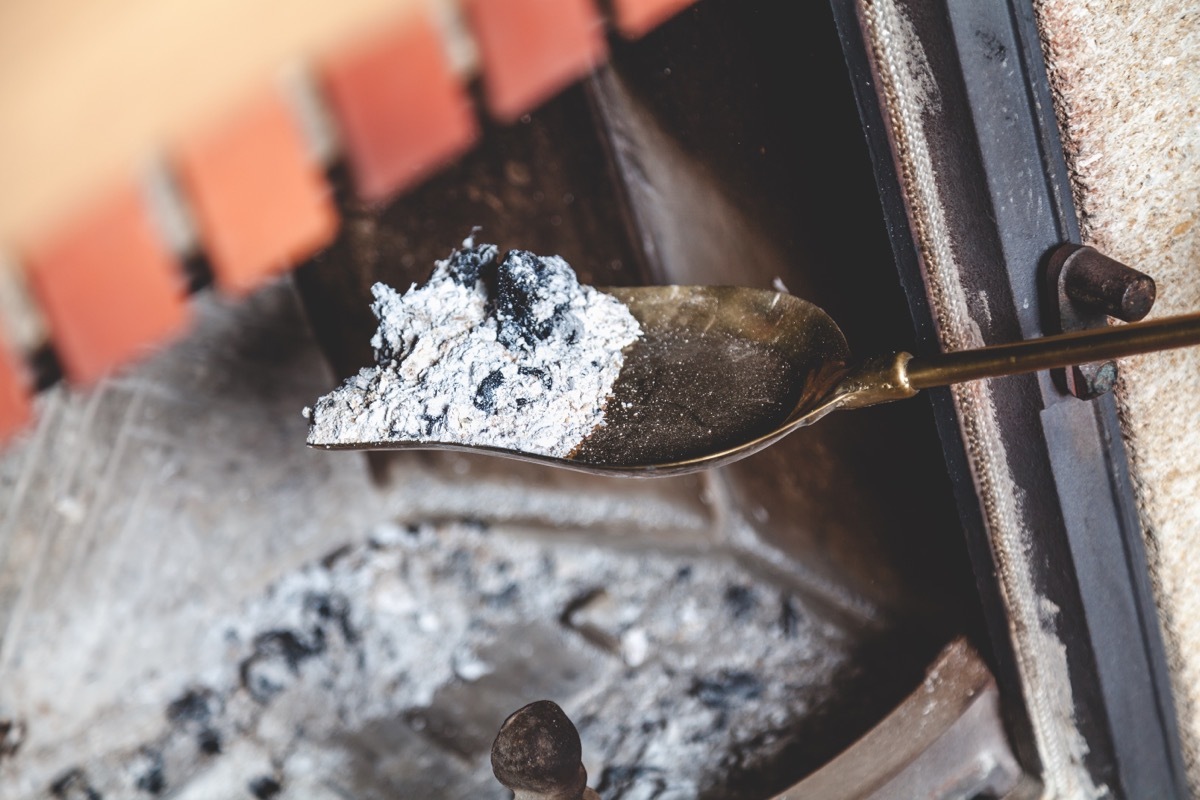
1083, 288
1105, 284
537, 754
1089, 381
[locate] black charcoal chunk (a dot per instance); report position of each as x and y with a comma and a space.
332, 609
485, 395
531, 384
152, 780
540, 374
741, 601
385, 354
727, 689
265, 787
432, 421
388, 352
209, 742
789, 617
620, 780
74, 785
567, 325
12, 736
196, 705
276, 661
526, 286
467, 265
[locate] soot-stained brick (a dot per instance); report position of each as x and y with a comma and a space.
522, 280
277, 657
485, 395
265, 787
726, 689
741, 601
467, 265
74, 785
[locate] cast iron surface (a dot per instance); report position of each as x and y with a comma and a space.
946, 740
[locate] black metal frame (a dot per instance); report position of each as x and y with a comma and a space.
1015, 199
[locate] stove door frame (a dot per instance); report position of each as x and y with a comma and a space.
1005, 192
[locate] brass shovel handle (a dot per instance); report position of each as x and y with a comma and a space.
1049, 352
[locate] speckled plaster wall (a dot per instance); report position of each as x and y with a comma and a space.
1126, 78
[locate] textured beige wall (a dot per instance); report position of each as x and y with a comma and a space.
1127, 83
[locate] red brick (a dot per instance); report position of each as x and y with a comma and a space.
259, 197
400, 109
16, 408
637, 17
533, 48
108, 285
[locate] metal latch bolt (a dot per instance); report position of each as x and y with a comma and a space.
1083, 287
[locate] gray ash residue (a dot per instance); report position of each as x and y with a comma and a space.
509, 353
385, 670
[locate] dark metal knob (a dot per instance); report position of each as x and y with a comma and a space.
1105, 284
537, 754
1084, 287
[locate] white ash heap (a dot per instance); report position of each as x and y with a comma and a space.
510, 353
